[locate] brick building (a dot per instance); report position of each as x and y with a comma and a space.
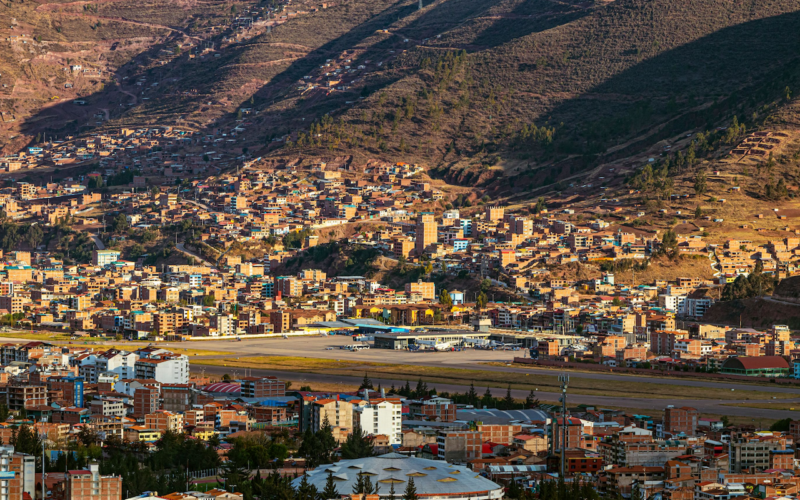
145, 401
681, 420
262, 387
90, 485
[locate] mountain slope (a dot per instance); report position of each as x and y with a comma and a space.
508, 94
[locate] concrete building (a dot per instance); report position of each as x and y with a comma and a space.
434, 408
380, 417
426, 232
25, 396
748, 451
459, 447
338, 413
167, 370
109, 407
70, 387
164, 421
116, 361
102, 258
425, 288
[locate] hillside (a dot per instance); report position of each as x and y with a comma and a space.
67, 67
510, 95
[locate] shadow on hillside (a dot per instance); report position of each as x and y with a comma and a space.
749, 61
530, 16
177, 78
732, 71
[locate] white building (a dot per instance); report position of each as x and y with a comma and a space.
672, 303
696, 307
225, 325
108, 407
382, 417
167, 369
103, 258
114, 361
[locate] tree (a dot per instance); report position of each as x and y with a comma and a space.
726, 422
119, 224
781, 425
422, 389
136, 251
327, 443
755, 284
700, 182
34, 235
411, 490
770, 163
508, 401
669, 244
698, 212
531, 401
306, 491
540, 206
310, 448
330, 488
480, 301
487, 399
357, 445
472, 395
26, 441
366, 383
445, 300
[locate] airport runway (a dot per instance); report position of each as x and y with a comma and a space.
317, 347
710, 407
329, 348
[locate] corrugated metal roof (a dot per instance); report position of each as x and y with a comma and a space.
431, 477
223, 387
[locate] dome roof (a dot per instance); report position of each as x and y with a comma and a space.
431, 477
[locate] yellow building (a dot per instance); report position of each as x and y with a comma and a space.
426, 232
425, 288
164, 421
140, 433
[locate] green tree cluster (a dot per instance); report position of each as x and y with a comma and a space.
317, 447
755, 284
357, 445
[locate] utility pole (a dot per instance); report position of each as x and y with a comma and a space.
564, 380
44, 440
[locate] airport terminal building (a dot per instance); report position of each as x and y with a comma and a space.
402, 340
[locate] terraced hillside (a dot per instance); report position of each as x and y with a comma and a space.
55, 53
508, 94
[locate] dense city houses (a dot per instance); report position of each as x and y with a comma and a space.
403, 438
193, 246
